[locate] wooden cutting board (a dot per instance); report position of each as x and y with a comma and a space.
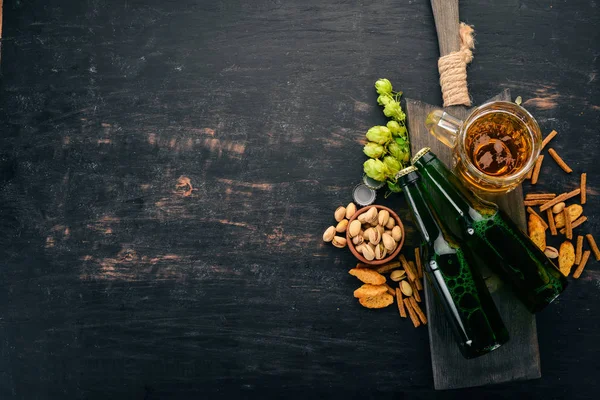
519, 359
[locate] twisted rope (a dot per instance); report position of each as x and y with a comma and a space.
453, 69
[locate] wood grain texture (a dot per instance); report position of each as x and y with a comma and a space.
519, 358
116, 284
445, 14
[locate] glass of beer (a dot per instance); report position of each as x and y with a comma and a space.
494, 147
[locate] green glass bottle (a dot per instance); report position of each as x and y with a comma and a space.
491, 234
470, 310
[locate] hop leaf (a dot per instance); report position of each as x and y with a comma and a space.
373, 150
393, 166
383, 86
394, 187
379, 134
375, 169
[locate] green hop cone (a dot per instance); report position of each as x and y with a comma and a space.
379, 134
393, 166
373, 150
394, 110
394, 127
375, 169
396, 151
384, 99
383, 86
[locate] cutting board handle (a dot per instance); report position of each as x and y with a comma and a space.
445, 14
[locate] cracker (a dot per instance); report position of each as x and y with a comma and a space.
368, 276
381, 301
368, 290
566, 257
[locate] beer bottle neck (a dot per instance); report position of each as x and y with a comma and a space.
447, 185
426, 224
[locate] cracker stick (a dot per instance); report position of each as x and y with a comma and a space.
581, 266
579, 249
535, 202
400, 303
536, 170
411, 312
575, 224
418, 310
418, 262
551, 223
548, 138
582, 187
560, 198
409, 271
417, 281
388, 267
540, 196
416, 291
593, 245
529, 174
568, 226
559, 161
390, 290
530, 211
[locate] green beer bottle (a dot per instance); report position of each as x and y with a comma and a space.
470, 310
491, 234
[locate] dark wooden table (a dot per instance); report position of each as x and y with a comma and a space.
116, 283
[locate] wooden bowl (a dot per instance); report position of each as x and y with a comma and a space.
389, 257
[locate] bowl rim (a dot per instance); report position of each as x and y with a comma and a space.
353, 248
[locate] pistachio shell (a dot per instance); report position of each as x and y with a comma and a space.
339, 241
380, 252
368, 252
340, 213
367, 234
357, 240
396, 233
551, 252
406, 288
372, 214
350, 210
383, 217
341, 226
380, 229
374, 236
391, 223
329, 234
362, 218
388, 242
354, 228
359, 248
398, 275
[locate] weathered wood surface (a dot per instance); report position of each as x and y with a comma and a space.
519, 358
445, 15
115, 284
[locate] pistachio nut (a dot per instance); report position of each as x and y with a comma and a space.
406, 288
358, 240
339, 241
372, 214
381, 229
396, 233
362, 218
388, 242
354, 228
368, 252
551, 252
398, 275
367, 234
341, 226
329, 234
340, 213
383, 217
557, 208
380, 252
350, 210
374, 236
359, 248
391, 223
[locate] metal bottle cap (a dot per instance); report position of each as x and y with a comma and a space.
405, 171
363, 195
420, 154
372, 183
